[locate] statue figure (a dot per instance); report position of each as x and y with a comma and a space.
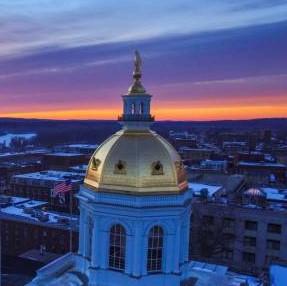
137, 63
137, 87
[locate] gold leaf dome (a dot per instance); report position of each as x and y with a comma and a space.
136, 161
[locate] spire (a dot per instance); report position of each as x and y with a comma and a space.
137, 86
136, 103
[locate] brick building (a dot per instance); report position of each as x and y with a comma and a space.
25, 226
39, 185
248, 235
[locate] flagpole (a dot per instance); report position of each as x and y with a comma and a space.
0, 245
71, 211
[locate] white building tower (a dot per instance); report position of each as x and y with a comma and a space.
134, 208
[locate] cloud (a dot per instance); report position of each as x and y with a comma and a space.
29, 25
243, 80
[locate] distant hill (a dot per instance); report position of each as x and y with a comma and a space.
95, 131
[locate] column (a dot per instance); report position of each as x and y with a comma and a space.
137, 251
104, 248
82, 232
95, 256
87, 236
187, 242
168, 255
176, 249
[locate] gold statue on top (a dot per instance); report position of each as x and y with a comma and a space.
137, 87
137, 63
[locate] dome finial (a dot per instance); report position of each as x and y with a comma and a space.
137, 86
137, 65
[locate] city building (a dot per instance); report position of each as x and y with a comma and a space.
248, 234
39, 186
87, 149
263, 172
9, 169
182, 139
135, 212
195, 155
63, 160
25, 226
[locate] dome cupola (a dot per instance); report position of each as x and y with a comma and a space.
136, 159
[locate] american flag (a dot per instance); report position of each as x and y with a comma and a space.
61, 188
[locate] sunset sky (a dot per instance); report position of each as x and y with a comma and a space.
202, 59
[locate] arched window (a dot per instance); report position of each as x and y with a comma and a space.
141, 108
155, 249
133, 108
117, 247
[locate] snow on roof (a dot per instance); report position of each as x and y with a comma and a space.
64, 154
197, 188
30, 152
241, 143
51, 175
88, 146
236, 279
79, 167
18, 211
275, 194
216, 274
207, 267
200, 149
278, 274
260, 164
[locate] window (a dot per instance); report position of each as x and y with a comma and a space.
273, 244
274, 228
208, 219
228, 222
133, 108
248, 257
228, 240
227, 254
250, 225
117, 247
155, 249
249, 241
120, 167
157, 168
141, 108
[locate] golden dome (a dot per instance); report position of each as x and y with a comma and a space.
136, 161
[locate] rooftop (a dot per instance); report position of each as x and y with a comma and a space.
30, 152
198, 188
278, 274
275, 194
51, 175
64, 154
86, 146
261, 164
37, 255
207, 274
29, 211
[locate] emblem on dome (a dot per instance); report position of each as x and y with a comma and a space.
96, 163
178, 165
157, 168
120, 167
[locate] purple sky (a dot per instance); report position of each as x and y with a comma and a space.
230, 66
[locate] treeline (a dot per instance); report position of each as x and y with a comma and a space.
51, 132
